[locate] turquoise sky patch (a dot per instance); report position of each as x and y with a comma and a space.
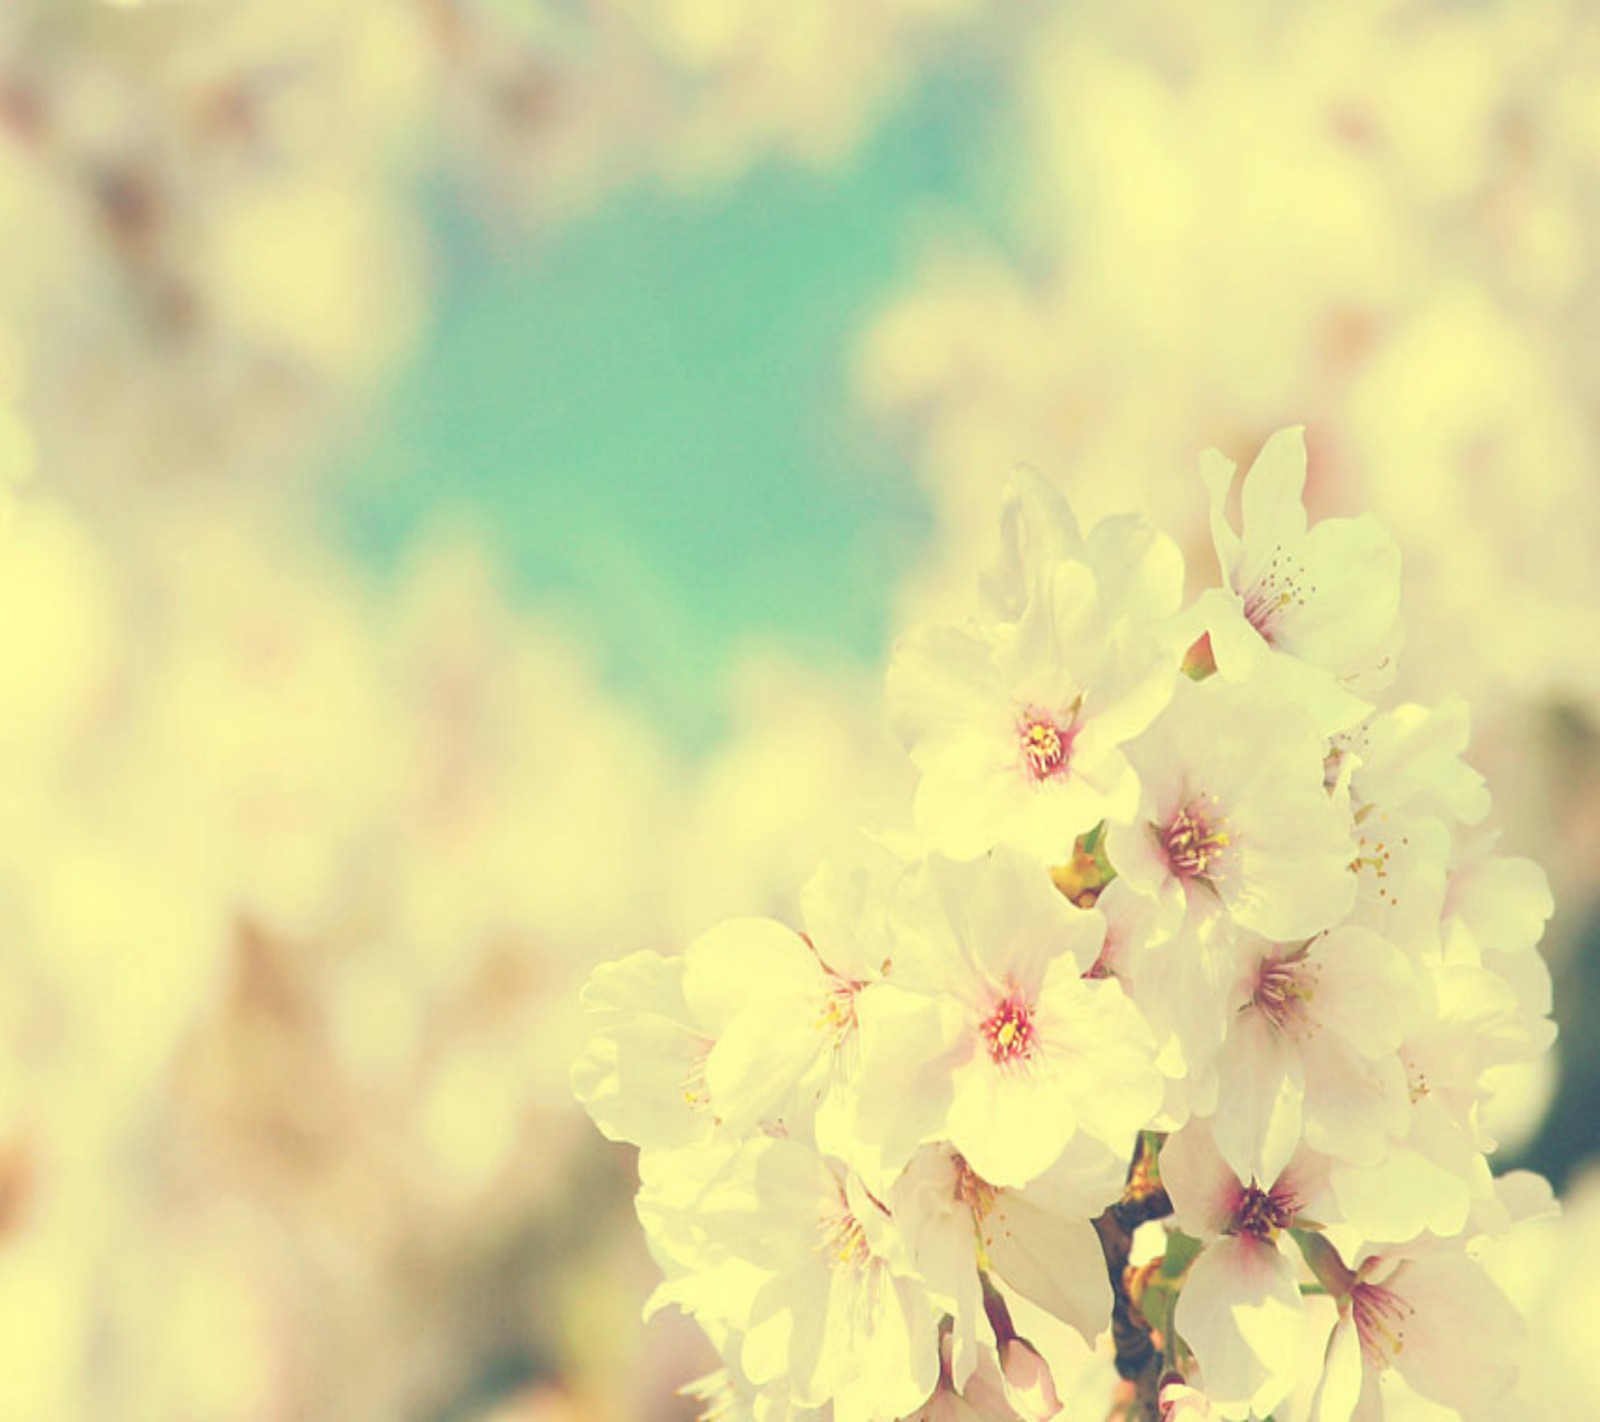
650, 412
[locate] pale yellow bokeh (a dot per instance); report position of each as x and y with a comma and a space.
301, 868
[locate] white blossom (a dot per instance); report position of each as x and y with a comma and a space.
1017, 725
1240, 1310
1234, 817
987, 1033
1323, 602
1217, 950
1433, 1315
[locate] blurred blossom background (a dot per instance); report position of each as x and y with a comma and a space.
471, 458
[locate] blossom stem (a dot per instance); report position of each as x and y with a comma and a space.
1324, 1261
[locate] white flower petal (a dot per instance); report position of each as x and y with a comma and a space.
1241, 1313
761, 1058
910, 1044
1203, 1187
1461, 1342
1405, 1194
743, 960
1262, 1086
1340, 1388
1271, 500
1366, 992
1013, 922
1053, 1259
1106, 1054
1011, 1125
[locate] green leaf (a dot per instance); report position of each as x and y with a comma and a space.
1181, 1252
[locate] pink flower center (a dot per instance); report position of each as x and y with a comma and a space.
1194, 840
1008, 1031
1045, 743
976, 1193
1263, 1213
696, 1093
838, 1015
1280, 588
1381, 1316
846, 1240
1283, 988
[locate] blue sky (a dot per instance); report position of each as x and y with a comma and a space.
649, 409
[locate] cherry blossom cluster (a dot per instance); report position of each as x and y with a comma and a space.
1166, 1027
1418, 296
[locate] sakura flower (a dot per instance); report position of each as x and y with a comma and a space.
1234, 817
1036, 1240
1235, 919
1433, 1315
1486, 996
988, 1035
1323, 602
782, 1005
1410, 791
1409, 757
1432, 1177
1240, 1311
1016, 726
1494, 915
842, 1316
1312, 1051
785, 1257
982, 1398
642, 1074
1178, 1402
1030, 1389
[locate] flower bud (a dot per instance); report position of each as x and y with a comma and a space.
1030, 1389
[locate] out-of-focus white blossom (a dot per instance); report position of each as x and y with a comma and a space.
302, 876
219, 248
1223, 223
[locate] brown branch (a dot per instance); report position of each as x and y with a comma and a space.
1138, 1355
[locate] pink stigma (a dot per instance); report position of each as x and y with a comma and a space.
1008, 1031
